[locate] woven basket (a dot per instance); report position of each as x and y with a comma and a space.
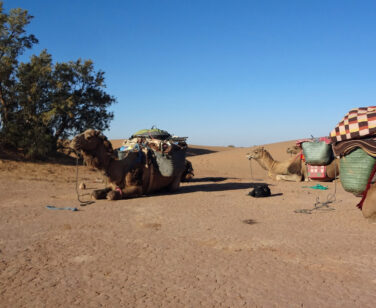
355, 169
317, 153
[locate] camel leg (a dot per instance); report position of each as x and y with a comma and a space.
369, 204
100, 193
174, 186
127, 192
132, 191
289, 177
114, 195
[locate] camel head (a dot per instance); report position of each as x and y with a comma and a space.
256, 153
94, 146
294, 149
89, 140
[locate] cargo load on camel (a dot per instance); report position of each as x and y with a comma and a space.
354, 141
138, 173
319, 159
161, 143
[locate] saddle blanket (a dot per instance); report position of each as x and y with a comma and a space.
357, 123
342, 148
316, 172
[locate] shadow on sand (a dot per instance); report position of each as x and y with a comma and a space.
208, 179
198, 151
209, 187
214, 187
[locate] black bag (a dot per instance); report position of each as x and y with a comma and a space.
260, 191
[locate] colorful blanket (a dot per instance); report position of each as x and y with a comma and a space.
368, 145
357, 123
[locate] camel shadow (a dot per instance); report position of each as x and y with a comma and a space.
208, 179
212, 187
198, 151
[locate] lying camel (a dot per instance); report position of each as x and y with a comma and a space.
135, 175
369, 203
295, 149
289, 170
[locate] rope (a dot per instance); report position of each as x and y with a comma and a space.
250, 166
82, 203
323, 206
360, 204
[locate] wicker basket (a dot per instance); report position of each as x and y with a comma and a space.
355, 169
317, 153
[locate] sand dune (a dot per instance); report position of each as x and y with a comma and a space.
208, 245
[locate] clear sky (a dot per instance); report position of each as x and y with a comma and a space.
220, 72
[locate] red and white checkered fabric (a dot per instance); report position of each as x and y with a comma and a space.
357, 123
316, 172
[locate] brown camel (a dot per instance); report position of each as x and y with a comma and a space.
289, 170
135, 175
369, 204
332, 170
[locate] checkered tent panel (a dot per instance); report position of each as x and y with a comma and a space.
357, 123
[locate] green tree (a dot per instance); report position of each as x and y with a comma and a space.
57, 101
42, 102
13, 42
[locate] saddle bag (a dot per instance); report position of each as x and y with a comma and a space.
170, 164
355, 170
317, 153
316, 172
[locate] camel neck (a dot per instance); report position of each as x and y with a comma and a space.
99, 159
266, 161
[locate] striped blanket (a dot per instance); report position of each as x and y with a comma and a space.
368, 145
357, 123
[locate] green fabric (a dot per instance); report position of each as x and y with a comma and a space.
318, 186
153, 132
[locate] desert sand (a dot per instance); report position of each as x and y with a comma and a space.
208, 245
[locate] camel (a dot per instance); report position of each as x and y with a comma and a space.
293, 169
135, 175
369, 203
293, 150
332, 170
289, 170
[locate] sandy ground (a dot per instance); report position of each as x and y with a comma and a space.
209, 245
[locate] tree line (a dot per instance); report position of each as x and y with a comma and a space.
42, 102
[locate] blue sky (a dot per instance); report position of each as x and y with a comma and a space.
220, 72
